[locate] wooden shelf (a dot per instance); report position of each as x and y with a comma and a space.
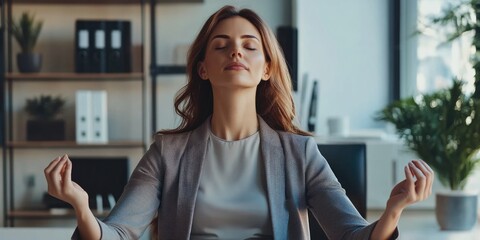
60, 213
76, 1
171, 69
99, 1
73, 144
65, 76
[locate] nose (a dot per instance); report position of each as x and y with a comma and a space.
236, 53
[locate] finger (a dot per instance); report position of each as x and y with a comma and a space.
67, 176
55, 173
427, 166
51, 165
64, 167
410, 185
429, 174
48, 170
424, 170
410, 182
421, 180
399, 188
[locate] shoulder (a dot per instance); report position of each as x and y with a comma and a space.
163, 141
171, 136
286, 139
295, 139
295, 145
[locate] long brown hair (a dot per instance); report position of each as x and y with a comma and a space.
274, 101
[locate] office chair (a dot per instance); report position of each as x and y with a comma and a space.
349, 163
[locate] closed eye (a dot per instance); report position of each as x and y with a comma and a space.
250, 45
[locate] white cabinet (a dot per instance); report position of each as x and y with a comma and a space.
385, 168
386, 160
380, 173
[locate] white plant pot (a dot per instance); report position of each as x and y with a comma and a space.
456, 210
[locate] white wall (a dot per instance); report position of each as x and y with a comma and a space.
344, 44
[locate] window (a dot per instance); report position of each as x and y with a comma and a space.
435, 62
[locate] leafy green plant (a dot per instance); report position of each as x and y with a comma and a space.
26, 31
443, 128
44, 107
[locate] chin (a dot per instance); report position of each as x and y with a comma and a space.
243, 82
236, 84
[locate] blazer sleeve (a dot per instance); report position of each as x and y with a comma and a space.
328, 202
139, 202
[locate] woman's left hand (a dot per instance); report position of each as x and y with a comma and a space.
416, 187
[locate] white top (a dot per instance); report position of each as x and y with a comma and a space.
232, 201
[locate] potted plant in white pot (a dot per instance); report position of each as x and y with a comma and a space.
443, 129
26, 31
43, 124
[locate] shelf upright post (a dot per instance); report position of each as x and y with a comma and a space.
2, 110
153, 64
144, 85
10, 189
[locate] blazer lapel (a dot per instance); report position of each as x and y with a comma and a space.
274, 160
189, 179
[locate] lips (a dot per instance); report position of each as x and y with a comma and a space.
236, 66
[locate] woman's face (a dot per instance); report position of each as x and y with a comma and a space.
234, 57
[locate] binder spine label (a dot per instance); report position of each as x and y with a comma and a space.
116, 42
100, 39
83, 39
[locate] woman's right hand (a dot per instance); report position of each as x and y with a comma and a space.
60, 185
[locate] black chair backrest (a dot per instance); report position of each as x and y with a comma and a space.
349, 163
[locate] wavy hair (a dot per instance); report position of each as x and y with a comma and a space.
274, 101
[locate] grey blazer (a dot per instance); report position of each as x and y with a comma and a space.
166, 180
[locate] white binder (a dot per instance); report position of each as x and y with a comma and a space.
99, 117
83, 117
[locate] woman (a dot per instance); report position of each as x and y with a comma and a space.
236, 167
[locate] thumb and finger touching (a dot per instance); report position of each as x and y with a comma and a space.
58, 176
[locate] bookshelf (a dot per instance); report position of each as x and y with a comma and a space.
14, 143
69, 76
73, 144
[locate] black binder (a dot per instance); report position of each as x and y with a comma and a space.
312, 112
98, 60
118, 46
288, 39
82, 46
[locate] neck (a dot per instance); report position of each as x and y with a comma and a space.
234, 114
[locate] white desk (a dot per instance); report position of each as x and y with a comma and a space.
48, 233
414, 225
422, 224
20, 233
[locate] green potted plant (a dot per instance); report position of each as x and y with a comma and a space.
443, 129
43, 124
26, 31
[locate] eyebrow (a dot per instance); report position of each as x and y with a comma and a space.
228, 37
